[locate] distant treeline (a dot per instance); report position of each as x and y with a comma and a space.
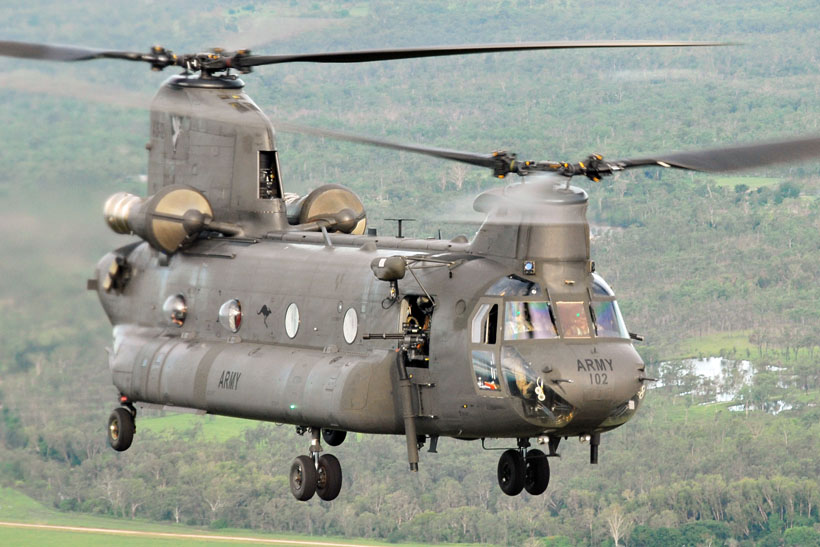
692, 256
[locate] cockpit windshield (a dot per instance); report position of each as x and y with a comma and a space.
574, 320
528, 321
528, 316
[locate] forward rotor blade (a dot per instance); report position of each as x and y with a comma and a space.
371, 55
734, 158
481, 160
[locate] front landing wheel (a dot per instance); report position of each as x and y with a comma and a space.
511, 472
303, 478
121, 429
537, 472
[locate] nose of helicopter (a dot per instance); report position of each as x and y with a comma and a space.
607, 383
585, 386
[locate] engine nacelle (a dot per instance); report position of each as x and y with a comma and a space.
166, 220
332, 205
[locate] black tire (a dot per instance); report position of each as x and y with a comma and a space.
121, 429
334, 437
303, 478
329, 477
536, 473
511, 472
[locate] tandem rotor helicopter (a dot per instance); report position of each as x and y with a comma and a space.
242, 300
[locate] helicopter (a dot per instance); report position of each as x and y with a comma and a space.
240, 299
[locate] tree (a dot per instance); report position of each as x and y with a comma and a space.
804, 536
619, 523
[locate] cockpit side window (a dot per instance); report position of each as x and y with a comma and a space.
608, 322
484, 338
606, 315
485, 324
486, 371
600, 288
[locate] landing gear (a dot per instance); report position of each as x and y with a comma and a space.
121, 429
328, 477
303, 478
316, 474
511, 472
536, 472
524, 469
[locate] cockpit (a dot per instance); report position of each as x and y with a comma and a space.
514, 318
529, 315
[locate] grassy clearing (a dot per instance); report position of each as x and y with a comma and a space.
62, 538
17, 507
752, 182
721, 343
694, 413
210, 428
213, 428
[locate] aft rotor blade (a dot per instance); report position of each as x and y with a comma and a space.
733, 158
53, 52
25, 50
481, 160
366, 56
243, 60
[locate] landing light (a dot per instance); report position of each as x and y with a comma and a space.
584, 438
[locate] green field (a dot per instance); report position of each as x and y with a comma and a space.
17, 536
16, 507
214, 428
719, 343
205, 427
752, 182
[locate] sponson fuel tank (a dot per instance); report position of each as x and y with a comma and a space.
256, 381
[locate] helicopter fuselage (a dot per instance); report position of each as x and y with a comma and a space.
244, 301
297, 355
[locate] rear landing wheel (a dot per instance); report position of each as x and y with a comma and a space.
511, 469
120, 429
329, 477
303, 478
537, 472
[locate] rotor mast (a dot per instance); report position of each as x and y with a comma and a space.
208, 134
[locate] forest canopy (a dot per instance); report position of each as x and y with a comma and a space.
702, 265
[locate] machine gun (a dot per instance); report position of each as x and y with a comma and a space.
412, 347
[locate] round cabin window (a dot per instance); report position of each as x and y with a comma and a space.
350, 325
175, 309
230, 315
292, 320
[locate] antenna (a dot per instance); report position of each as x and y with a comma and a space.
400, 220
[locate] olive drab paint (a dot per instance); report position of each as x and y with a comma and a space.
326, 377
242, 300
